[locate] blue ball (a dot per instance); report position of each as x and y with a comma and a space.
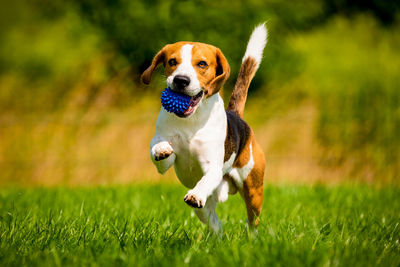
174, 102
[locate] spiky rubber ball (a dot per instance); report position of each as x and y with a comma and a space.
174, 102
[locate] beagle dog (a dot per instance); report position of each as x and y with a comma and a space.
213, 150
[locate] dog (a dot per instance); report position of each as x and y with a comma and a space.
213, 150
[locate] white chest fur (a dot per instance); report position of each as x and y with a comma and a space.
197, 141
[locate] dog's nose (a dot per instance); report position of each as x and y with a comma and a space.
181, 81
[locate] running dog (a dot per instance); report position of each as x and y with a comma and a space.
213, 150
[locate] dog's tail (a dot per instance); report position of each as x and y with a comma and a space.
251, 61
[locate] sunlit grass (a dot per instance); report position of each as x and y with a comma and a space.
151, 225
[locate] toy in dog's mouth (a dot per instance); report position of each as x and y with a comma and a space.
180, 104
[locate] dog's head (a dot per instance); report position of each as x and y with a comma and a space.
195, 69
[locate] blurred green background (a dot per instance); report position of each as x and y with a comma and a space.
325, 104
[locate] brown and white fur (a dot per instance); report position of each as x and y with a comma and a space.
213, 150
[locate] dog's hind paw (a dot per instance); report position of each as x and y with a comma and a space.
195, 201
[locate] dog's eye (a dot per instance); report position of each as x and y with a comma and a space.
172, 62
202, 64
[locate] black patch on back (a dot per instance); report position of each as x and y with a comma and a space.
238, 133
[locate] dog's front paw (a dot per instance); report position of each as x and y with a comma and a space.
162, 151
194, 200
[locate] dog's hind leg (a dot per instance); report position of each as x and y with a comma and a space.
253, 196
252, 190
225, 188
208, 215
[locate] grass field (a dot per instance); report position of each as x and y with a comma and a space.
151, 225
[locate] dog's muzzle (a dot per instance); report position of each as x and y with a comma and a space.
180, 82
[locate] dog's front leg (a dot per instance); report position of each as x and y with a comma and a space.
161, 153
204, 188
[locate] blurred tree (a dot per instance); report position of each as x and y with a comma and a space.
385, 11
138, 29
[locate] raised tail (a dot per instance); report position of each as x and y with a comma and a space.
251, 61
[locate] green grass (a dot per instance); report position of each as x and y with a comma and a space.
151, 225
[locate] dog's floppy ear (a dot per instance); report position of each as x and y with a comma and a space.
221, 74
157, 60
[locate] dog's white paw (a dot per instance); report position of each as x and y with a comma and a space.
194, 199
161, 150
